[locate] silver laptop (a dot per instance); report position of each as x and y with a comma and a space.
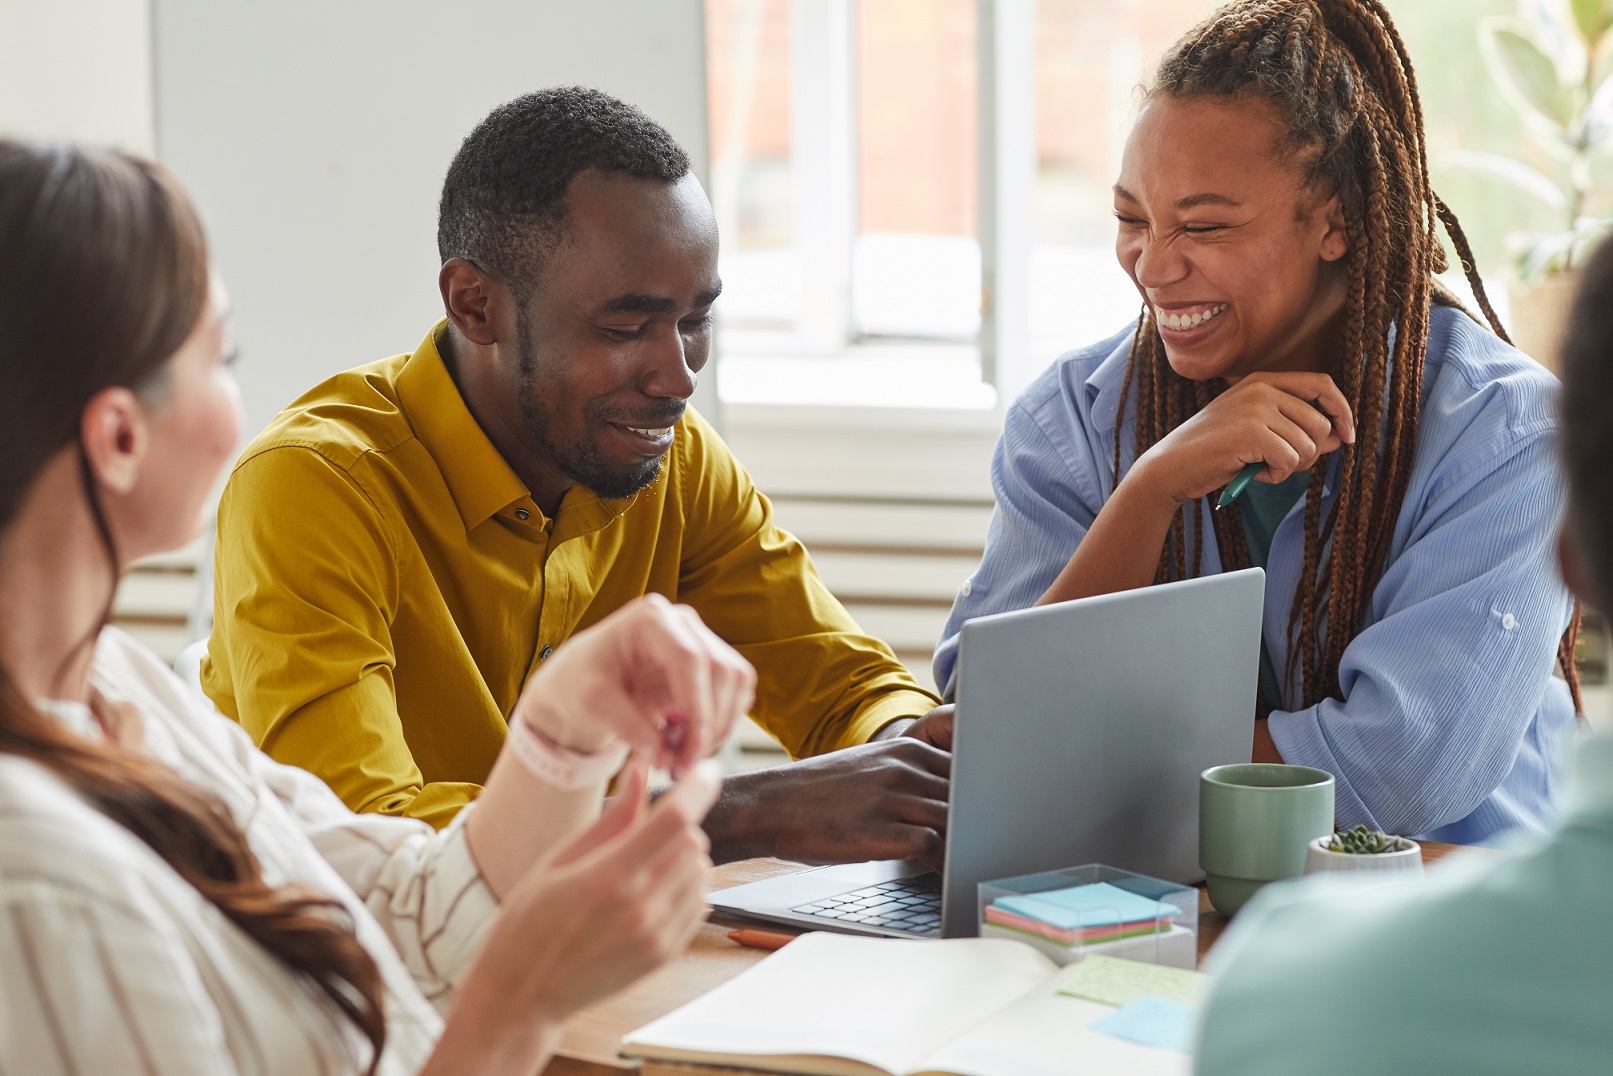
1082, 728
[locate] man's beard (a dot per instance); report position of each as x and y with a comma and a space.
582, 461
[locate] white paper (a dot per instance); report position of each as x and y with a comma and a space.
885, 1003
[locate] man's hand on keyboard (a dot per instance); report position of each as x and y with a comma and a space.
884, 800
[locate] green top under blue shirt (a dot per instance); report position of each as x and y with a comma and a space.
1264, 506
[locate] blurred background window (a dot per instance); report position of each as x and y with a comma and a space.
846, 174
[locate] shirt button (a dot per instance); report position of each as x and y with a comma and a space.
522, 514
543, 655
1508, 621
966, 589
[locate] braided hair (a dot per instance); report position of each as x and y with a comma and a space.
1338, 74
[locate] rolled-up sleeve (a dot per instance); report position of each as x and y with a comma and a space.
422, 886
1445, 680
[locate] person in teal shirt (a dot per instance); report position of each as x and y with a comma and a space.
1501, 963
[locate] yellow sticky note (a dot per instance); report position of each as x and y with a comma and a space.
1114, 981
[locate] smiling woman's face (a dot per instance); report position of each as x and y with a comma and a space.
1241, 265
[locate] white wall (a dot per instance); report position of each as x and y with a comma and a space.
314, 134
77, 69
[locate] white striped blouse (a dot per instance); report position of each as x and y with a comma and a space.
110, 962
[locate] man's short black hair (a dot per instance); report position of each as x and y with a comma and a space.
503, 200
1587, 432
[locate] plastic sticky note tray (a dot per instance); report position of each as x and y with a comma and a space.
1173, 941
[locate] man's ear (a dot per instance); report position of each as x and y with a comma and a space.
477, 303
1335, 240
114, 437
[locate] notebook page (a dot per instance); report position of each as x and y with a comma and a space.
1046, 1034
881, 1002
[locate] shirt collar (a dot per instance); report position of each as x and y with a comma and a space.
478, 478
1103, 386
73, 715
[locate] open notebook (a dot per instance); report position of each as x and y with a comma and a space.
830, 1004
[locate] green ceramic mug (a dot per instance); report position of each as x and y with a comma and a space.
1255, 819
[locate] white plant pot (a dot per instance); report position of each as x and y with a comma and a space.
1406, 861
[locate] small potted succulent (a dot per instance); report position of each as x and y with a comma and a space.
1364, 850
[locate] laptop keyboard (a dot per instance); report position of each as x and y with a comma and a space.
911, 904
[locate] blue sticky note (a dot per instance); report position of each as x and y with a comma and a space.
1096, 905
1151, 1021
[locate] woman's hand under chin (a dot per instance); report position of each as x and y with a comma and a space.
1286, 421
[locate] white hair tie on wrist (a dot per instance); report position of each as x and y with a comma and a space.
565, 768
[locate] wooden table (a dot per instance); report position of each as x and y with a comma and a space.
592, 1036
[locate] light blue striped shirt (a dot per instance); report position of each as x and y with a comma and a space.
1452, 724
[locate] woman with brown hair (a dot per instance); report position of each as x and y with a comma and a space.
1276, 216
170, 899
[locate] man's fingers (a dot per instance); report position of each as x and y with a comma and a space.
922, 811
934, 728
921, 843
925, 757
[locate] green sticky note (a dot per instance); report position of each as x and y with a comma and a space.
1114, 981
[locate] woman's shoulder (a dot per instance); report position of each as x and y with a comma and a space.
127, 671
1078, 381
54, 845
1472, 376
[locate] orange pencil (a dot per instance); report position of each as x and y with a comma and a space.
761, 939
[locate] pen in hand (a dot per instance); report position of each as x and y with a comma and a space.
1238, 484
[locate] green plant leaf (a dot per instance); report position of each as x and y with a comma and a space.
1592, 18
1520, 175
1539, 254
1526, 73
1599, 117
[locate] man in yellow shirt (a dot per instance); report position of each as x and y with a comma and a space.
404, 544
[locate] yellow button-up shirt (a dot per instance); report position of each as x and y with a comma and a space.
385, 584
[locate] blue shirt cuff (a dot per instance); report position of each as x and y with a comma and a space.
1301, 742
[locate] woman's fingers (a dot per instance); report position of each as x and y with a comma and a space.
1321, 393
650, 675
733, 690
1305, 414
1302, 450
620, 814
671, 648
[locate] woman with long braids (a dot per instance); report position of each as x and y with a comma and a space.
172, 901
1275, 213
